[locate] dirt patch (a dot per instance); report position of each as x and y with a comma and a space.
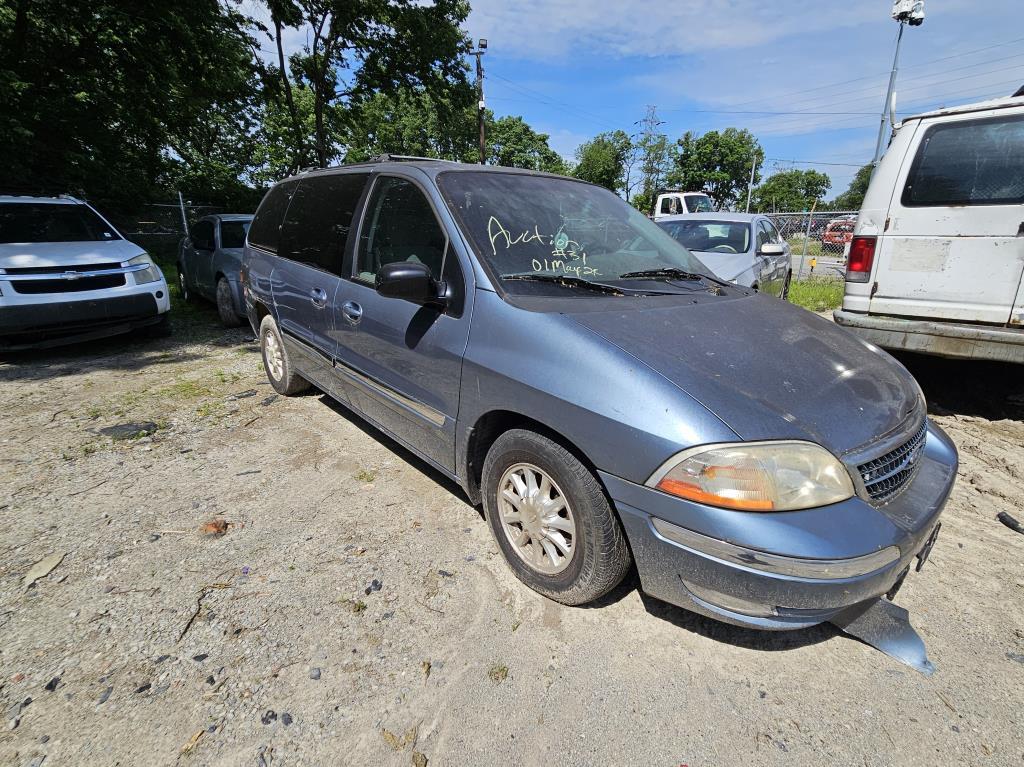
351, 607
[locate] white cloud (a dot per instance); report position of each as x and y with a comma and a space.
555, 29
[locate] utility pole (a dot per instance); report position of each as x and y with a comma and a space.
905, 12
652, 157
479, 52
750, 185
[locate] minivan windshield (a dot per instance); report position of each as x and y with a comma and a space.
52, 222
525, 227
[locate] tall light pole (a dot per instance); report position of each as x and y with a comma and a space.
905, 12
479, 52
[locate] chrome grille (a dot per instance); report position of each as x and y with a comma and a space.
64, 279
884, 477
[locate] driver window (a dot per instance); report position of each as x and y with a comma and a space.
773, 233
202, 236
399, 225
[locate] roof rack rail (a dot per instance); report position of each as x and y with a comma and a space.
411, 158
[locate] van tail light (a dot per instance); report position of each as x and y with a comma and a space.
862, 256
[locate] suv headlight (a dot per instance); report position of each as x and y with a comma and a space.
756, 476
151, 274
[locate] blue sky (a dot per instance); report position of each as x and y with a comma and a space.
575, 68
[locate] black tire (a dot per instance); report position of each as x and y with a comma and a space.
785, 287
289, 382
226, 304
600, 557
186, 292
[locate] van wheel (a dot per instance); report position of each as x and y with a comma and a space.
226, 305
186, 293
784, 295
276, 361
552, 520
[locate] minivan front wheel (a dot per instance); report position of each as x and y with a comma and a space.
276, 361
551, 519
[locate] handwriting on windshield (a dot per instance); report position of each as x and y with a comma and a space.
567, 255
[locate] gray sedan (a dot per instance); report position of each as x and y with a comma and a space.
209, 260
743, 248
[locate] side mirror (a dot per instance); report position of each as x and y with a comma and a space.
409, 281
772, 249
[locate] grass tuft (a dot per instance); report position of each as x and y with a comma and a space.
819, 294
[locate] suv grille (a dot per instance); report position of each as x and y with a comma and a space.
884, 477
60, 284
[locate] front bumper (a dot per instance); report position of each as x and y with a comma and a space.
943, 339
786, 570
44, 322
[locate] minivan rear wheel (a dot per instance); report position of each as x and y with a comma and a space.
551, 519
276, 361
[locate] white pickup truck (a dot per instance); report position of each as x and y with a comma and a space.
673, 203
936, 263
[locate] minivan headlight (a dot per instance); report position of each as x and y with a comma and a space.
151, 274
756, 476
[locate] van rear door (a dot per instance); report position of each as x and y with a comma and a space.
953, 243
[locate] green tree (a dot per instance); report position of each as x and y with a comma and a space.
790, 190
718, 163
602, 160
356, 48
95, 96
513, 143
427, 122
853, 197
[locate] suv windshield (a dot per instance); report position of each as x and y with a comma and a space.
51, 222
710, 236
699, 203
524, 225
232, 233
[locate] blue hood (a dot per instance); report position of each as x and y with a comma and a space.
768, 369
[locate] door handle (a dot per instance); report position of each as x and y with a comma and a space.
319, 297
352, 312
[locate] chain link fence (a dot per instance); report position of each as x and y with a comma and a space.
160, 226
818, 240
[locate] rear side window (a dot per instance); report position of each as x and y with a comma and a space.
265, 231
319, 218
973, 162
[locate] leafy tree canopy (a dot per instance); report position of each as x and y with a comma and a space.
853, 197
512, 142
718, 163
790, 190
603, 160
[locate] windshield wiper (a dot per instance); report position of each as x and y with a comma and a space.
671, 273
566, 281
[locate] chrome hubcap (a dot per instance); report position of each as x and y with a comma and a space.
536, 518
273, 355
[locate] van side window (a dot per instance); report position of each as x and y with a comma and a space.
319, 218
265, 231
666, 204
971, 162
399, 225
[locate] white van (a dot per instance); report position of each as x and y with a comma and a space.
673, 203
937, 256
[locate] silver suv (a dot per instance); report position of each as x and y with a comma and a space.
67, 275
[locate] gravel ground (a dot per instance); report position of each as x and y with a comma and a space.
243, 579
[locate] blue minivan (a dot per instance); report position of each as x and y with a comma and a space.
607, 399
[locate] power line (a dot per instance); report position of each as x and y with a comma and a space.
815, 162
880, 74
